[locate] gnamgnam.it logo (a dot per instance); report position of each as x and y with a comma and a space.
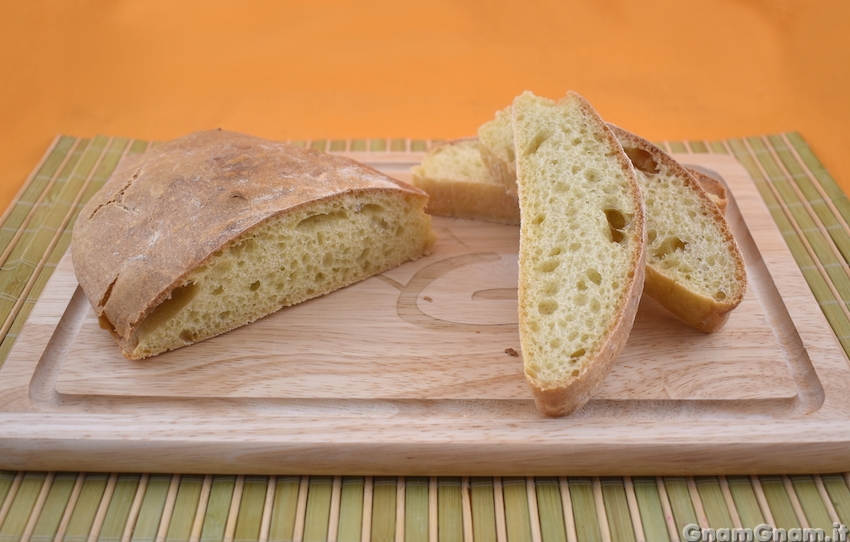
764, 533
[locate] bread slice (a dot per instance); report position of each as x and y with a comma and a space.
216, 229
497, 149
694, 266
582, 248
703, 307
497, 152
715, 188
459, 185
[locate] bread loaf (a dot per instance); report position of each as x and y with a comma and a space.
582, 248
214, 230
459, 185
694, 266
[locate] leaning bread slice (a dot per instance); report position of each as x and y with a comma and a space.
497, 149
694, 266
459, 185
582, 248
216, 229
715, 188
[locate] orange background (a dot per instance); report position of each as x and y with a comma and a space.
666, 69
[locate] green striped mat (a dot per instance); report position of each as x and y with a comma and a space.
811, 211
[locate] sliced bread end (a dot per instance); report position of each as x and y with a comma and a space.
695, 268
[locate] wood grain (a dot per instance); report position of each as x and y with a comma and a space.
407, 373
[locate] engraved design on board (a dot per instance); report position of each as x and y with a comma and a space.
408, 308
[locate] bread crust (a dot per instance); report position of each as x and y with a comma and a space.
699, 311
161, 216
460, 197
565, 396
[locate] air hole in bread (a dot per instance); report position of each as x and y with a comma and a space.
319, 219
642, 160
577, 354
555, 343
650, 236
549, 265
254, 286
547, 307
551, 288
187, 336
616, 223
592, 175
218, 291
179, 298
538, 219
536, 142
668, 246
720, 296
594, 276
371, 209
555, 251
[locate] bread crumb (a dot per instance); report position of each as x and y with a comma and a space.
511, 352
428, 298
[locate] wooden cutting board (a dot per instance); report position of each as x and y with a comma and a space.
410, 372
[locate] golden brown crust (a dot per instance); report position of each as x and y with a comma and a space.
163, 215
699, 311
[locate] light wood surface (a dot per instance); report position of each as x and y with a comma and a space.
407, 373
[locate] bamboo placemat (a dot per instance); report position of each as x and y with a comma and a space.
811, 211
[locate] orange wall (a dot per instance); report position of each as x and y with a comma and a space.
667, 69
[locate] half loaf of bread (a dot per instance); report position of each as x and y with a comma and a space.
694, 266
582, 248
459, 185
216, 229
